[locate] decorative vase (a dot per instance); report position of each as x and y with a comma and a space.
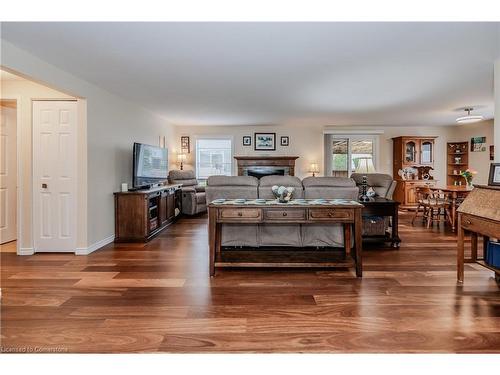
282, 194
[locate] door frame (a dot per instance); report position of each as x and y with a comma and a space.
19, 187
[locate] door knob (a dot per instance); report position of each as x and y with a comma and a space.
44, 186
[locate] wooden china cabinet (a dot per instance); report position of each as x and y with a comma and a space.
412, 152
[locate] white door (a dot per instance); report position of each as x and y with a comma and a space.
8, 174
54, 176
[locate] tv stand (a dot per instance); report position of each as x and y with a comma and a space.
142, 214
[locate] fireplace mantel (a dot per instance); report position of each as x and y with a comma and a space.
245, 162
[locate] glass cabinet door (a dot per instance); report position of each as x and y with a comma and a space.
410, 152
426, 150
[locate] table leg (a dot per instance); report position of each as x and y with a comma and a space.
473, 246
347, 239
486, 240
395, 231
460, 251
212, 238
358, 242
453, 211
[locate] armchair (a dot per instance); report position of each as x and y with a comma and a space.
193, 195
383, 184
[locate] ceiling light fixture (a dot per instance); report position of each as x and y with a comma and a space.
469, 118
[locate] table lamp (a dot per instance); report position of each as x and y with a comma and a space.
365, 166
314, 168
181, 158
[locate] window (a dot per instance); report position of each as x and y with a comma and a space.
342, 153
213, 157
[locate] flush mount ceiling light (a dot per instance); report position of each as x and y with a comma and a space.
469, 118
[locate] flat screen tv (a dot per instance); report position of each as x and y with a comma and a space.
150, 165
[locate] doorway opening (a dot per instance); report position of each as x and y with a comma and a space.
28, 208
8, 175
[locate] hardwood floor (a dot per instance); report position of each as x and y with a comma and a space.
159, 297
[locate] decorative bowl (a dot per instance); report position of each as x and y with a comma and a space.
283, 194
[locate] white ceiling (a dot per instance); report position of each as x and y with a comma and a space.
273, 73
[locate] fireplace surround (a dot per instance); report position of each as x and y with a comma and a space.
260, 166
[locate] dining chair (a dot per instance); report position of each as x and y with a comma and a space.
422, 194
438, 207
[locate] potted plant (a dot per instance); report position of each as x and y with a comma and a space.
468, 174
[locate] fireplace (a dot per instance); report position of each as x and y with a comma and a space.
266, 171
260, 166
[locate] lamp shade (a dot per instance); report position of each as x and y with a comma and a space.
365, 165
181, 157
314, 168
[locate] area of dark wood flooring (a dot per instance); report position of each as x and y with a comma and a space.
159, 297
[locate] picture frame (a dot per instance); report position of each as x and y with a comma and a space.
478, 144
247, 140
264, 142
285, 141
492, 152
494, 179
185, 146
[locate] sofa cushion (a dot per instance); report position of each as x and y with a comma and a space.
186, 183
181, 175
232, 181
328, 181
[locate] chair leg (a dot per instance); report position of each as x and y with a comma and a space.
430, 214
415, 216
425, 214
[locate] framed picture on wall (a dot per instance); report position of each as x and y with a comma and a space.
478, 144
185, 144
265, 141
247, 140
494, 179
285, 141
492, 152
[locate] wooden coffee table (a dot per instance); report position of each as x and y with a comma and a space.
348, 214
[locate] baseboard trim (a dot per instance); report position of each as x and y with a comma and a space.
95, 246
26, 251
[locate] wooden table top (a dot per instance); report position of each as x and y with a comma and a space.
453, 188
273, 203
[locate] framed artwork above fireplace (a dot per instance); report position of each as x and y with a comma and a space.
265, 141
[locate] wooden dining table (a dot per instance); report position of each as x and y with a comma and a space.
455, 192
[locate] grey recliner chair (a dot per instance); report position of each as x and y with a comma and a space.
383, 184
193, 196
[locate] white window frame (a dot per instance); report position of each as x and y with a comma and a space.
211, 136
354, 136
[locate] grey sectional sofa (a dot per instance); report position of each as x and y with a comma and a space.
317, 235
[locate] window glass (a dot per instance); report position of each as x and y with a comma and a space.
213, 157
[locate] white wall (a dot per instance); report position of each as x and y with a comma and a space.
113, 124
497, 109
305, 143
479, 161
308, 143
